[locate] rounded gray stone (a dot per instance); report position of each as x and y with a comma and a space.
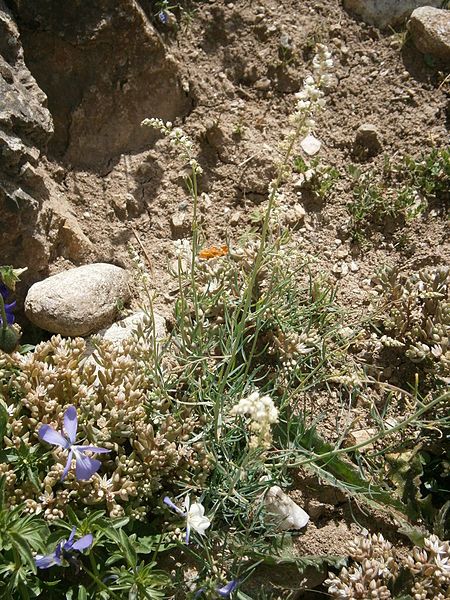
79, 301
430, 31
385, 13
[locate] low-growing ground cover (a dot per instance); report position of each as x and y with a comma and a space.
145, 472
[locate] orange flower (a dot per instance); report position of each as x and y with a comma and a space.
213, 252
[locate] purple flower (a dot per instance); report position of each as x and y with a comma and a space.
85, 465
4, 291
162, 16
63, 550
223, 591
227, 589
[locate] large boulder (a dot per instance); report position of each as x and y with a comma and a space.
104, 69
430, 31
79, 301
386, 13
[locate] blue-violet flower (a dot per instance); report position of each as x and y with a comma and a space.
4, 291
85, 465
63, 550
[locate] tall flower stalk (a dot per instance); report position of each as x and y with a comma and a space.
310, 100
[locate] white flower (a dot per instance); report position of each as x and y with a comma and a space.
262, 412
195, 518
194, 515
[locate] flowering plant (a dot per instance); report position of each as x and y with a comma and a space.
64, 550
194, 514
85, 465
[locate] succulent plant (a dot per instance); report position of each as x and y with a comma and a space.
416, 315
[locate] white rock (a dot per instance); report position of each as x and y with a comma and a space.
311, 145
383, 13
430, 31
79, 301
340, 269
285, 511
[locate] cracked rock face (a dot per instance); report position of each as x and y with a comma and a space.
104, 69
25, 127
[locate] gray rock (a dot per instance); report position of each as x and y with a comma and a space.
430, 31
367, 141
79, 301
123, 330
385, 13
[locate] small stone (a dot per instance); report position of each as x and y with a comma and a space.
430, 31
284, 511
346, 332
235, 218
310, 145
119, 203
367, 142
354, 266
178, 222
74, 243
342, 253
340, 269
295, 215
263, 84
360, 436
79, 301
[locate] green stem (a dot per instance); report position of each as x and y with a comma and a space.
333, 453
92, 574
3, 315
253, 276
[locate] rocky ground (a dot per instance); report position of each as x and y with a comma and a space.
81, 179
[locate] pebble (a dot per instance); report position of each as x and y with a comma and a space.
286, 512
360, 436
342, 253
123, 330
340, 269
310, 145
367, 140
79, 301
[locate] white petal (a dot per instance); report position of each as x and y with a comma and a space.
196, 518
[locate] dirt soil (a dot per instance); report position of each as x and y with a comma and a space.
242, 82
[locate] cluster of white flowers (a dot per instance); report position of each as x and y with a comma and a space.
183, 253
311, 97
139, 265
263, 413
178, 139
